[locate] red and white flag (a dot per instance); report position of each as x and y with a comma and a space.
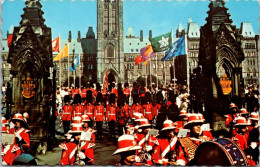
106, 81
56, 44
9, 39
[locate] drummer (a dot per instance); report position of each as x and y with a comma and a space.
195, 138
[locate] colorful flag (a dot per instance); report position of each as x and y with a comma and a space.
56, 44
139, 59
63, 53
75, 63
162, 42
177, 49
147, 52
9, 39
106, 81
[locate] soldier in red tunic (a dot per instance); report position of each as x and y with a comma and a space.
89, 109
84, 93
148, 107
169, 151
99, 115
66, 114
136, 108
126, 92
111, 114
22, 140
78, 109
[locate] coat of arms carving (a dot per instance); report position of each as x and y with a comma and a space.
28, 88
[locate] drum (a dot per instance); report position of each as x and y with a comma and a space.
222, 151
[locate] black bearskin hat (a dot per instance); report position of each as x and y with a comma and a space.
77, 99
172, 96
98, 87
148, 97
112, 98
89, 96
99, 97
159, 97
126, 84
66, 98
121, 100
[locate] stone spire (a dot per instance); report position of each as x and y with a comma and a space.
90, 33
217, 13
33, 15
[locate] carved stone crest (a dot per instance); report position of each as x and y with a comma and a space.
28, 88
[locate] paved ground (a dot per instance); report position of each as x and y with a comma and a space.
103, 150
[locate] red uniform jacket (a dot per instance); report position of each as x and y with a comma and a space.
66, 113
114, 91
89, 110
111, 113
88, 146
125, 110
241, 140
148, 110
165, 146
135, 109
84, 93
104, 93
68, 153
78, 110
14, 150
99, 113
156, 109
126, 91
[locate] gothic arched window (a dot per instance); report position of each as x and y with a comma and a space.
110, 52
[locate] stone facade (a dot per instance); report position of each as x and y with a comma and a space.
95, 51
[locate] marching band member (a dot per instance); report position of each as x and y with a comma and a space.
144, 140
70, 149
169, 150
66, 114
99, 115
253, 140
22, 140
240, 137
111, 114
182, 120
190, 144
127, 148
231, 117
87, 146
84, 93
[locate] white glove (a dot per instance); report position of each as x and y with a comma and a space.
253, 145
18, 136
137, 159
148, 148
82, 155
180, 162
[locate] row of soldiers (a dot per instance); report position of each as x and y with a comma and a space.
142, 117
175, 144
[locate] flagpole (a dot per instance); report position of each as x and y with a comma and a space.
59, 63
151, 72
79, 73
164, 70
146, 76
173, 63
187, 66
156, 71
68, 66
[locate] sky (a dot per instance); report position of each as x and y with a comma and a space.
160, 16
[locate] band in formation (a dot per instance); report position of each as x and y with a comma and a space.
155, 128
